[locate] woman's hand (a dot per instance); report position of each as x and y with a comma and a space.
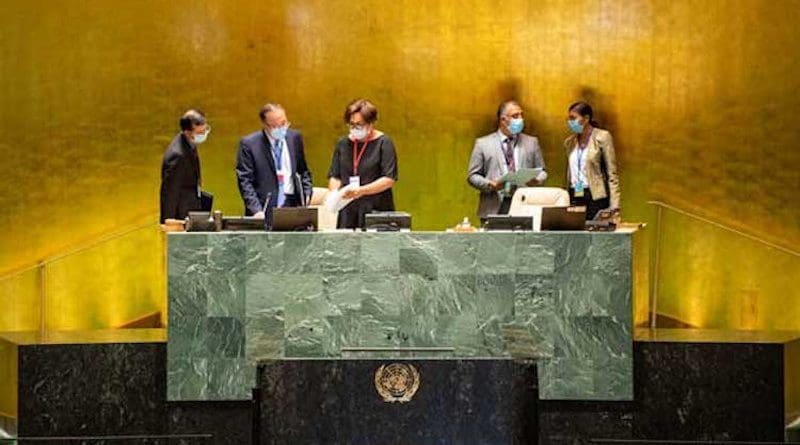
373, 188
353, 193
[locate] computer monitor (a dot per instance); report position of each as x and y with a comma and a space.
294, 219
200, 222
387, 221
563, 218
242, 223
506, 222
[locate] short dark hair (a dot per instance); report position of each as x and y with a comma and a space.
363, 106
268, 108
192, 118
502, 108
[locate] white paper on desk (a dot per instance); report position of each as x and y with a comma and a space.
521, 177
334, 201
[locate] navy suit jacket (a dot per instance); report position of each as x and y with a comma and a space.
255, 170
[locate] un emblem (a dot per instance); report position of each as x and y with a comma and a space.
397, 382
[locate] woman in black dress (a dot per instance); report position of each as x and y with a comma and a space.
365, 160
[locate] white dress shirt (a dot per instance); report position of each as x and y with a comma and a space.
541, 177
513, 141
286, 163
577, 164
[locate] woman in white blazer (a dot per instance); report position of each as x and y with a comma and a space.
591, 163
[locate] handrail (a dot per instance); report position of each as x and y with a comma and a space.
110, 236
724, 227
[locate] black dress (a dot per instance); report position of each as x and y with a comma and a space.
379, 159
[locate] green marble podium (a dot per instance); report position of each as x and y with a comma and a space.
563, 298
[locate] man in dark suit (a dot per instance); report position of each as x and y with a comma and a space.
271, 162
180, 169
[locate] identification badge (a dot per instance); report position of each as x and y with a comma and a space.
355, 181
579, 190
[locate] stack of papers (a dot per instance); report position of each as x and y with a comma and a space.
521, 177
335, 202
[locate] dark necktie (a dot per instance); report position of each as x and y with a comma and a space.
509, 152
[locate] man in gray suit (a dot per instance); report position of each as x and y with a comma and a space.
505, 150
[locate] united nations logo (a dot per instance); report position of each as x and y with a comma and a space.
397, 382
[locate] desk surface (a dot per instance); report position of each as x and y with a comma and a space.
623, 229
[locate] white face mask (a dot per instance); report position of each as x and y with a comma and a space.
358, 134
200, 138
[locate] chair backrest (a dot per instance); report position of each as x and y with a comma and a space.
318, 196
527, 199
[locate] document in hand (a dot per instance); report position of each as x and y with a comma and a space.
334, 201
520, 177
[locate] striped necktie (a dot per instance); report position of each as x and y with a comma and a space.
509, 153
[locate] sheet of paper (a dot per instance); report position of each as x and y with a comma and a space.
521, 177
334, 201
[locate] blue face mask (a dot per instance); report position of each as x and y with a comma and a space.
279, 133
575, 126
515, 126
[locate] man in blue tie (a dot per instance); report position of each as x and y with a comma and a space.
271, 163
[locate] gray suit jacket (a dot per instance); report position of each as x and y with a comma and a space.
488, 163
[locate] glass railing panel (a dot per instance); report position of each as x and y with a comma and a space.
19, 300
710, 276
108, 284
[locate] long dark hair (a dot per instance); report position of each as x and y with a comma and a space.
584, 110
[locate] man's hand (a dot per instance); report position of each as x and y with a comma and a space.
259, 215
533, 182
496, 185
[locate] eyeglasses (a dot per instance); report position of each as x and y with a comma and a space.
205, 133
357, 126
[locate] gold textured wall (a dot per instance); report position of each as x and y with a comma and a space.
8, 379
700, 96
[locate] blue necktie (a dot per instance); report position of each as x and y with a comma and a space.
277, 151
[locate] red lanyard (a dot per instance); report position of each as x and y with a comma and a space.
357, 155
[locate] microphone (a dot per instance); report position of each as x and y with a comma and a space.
266, 202
268, 213
302, 191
